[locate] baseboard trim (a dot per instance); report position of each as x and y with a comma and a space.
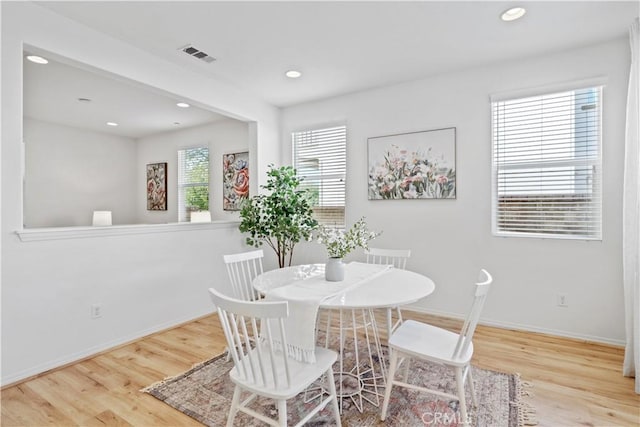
91, 352
522, 327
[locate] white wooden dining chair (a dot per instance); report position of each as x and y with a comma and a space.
242, 269
398, 258
415, 340
262, 369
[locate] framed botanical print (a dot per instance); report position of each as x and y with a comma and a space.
157, 187
235, 176
416, 165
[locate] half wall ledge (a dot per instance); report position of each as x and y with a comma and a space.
60, 233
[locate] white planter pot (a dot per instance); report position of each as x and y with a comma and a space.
334, 270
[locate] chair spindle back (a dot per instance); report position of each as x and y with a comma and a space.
469, 327
242, 269
248, 328
396, 257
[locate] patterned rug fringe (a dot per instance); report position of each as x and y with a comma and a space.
171, 378
209, 404
526, 412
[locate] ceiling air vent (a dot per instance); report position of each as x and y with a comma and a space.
196, 53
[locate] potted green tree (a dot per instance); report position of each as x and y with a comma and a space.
281, 218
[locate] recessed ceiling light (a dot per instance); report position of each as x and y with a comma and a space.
37, 59
513, 14
176, 123
112, 124
183, 105
84, 100
293, 74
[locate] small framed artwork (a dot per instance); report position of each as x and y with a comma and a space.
415, 165
235, 176
157, 187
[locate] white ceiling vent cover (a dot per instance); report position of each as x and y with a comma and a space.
197, 53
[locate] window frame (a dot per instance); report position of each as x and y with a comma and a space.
595, 200
329, 220
183, 214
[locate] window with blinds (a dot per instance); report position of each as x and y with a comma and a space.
193, 182
320, 158
547, 165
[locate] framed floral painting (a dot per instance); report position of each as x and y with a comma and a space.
157, 187
235, 176
415, 165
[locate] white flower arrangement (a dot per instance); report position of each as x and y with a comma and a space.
340, 242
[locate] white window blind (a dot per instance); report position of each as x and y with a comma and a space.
547, 165
320, 158
193, 182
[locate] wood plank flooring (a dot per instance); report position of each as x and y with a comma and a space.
575, 383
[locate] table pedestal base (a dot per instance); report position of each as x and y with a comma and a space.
360, 371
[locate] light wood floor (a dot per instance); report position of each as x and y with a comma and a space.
574, 383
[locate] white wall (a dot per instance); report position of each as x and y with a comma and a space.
145, 281
451, 239
72, 172
228, 136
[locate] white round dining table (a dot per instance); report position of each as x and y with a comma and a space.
364, 378
394, 288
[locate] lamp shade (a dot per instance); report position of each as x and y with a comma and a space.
202, 216
101, 218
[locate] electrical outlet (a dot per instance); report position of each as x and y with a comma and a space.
563, 300
96, 311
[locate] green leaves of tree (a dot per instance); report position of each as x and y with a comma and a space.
280, 218
196, 163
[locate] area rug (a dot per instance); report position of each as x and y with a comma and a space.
204, 393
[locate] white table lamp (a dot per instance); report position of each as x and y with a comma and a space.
101, 218
202, 216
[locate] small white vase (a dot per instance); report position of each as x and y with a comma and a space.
334, 270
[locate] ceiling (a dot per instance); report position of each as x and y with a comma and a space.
52, 93
343, 47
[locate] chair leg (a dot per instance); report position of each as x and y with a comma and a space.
393, 362
474, 398
407, 362
234, 406
463, 405
389, 324
328, 329
282, 413
332, 390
